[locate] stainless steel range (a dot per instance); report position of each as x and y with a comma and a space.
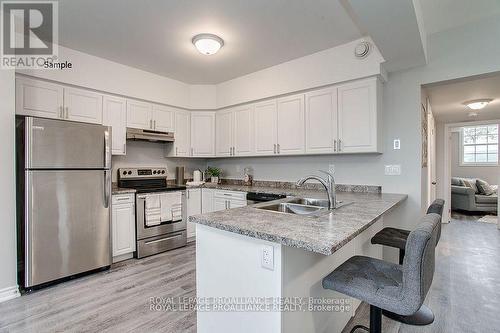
160, 210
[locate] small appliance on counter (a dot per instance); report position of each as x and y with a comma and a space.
179, 175
248, 176
160, 210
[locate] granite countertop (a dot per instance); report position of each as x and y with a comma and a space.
121, 190
324, 234
289, 189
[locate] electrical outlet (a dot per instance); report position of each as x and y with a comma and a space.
268, 257
393, 170
397, 144
331, 168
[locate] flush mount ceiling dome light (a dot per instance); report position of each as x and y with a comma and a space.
478, 104
207, 44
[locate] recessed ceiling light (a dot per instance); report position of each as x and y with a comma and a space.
478, 104
207, 44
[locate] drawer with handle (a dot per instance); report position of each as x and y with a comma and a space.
230, 195
123, 199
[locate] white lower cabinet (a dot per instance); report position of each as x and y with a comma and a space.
207, 200
229, 199
123, 226
193, 207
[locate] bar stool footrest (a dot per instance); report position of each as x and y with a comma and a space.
424, 316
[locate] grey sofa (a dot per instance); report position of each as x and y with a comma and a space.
469, 198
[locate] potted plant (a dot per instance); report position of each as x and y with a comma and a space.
214, 173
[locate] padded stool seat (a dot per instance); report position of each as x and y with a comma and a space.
375, 281
393, 237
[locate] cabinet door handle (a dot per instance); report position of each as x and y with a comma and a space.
150, 123
335, 145
340, 145
67, 112
278, 148
187, 194
192, 154
61, 112
154, 124
274, 148
176, 148
124, 148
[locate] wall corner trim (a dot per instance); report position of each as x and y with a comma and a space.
9, 293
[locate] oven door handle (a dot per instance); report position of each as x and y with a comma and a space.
163, 239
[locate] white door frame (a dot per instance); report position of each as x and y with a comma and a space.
431, 155
447, 164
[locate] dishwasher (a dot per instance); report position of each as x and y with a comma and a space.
257, 197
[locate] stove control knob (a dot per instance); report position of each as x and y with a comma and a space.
124, 172
130, 172
163, 172
154, 172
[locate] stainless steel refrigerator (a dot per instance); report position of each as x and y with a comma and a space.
64, 191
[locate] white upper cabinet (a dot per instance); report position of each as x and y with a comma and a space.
182, 145
265, 117
82, 105
243, 141
203, 134
224, 132
39, 98
163, 118
115, 115
321, 121
234, 131
139, 114
357, 116
291, 129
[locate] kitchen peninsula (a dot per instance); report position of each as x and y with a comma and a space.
249, 252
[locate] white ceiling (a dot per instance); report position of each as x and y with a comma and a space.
446, 99
440, 15
155, 35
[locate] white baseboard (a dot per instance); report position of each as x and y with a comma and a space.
123, 257
9, 293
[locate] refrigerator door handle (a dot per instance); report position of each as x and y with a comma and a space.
107, 191
106, 150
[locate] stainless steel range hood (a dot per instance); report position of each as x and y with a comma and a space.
149, 135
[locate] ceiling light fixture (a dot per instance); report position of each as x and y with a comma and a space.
478, 104
208, 44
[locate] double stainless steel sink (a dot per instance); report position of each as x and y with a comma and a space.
300, 206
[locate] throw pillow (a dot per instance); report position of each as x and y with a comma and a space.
455, 181
471, 183
484, 187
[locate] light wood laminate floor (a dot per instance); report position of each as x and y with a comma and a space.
465, 294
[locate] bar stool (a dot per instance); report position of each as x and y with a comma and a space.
397, 238
399, 289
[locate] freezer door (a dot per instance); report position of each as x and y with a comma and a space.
58, 144
67, 223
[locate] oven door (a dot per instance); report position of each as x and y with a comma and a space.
165, 227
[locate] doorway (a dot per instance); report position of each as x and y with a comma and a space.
463, 152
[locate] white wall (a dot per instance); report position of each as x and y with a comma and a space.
100, 74
487, 173
149, 154
8, 281
330, 66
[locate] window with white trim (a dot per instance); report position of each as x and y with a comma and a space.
479, 145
